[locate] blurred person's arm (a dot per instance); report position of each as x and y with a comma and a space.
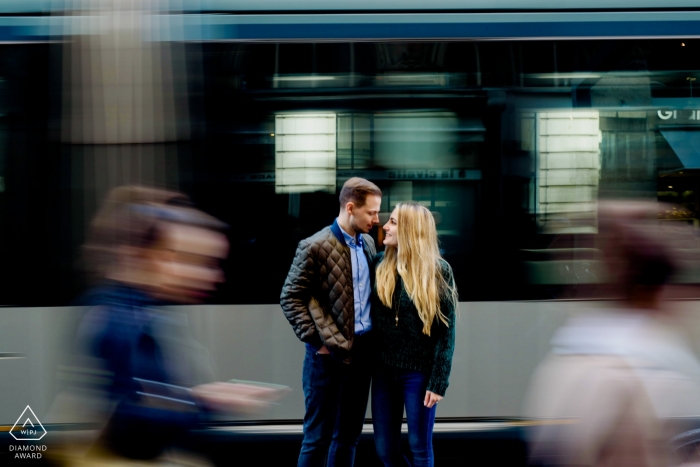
296, 295
237, 398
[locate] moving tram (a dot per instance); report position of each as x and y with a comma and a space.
509, 122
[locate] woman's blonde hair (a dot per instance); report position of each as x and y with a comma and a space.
418, 261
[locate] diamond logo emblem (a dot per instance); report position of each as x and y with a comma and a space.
28, 427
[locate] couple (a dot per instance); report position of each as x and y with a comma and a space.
387, 317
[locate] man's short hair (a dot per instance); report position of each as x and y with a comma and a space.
356, 189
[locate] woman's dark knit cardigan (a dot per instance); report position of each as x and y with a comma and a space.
403, 344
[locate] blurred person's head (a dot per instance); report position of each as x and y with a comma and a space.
155, 240
636, 250
413, 252
360, 201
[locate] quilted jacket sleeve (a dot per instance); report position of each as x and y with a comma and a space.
296, 295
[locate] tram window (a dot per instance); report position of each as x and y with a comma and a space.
512, 144
410, 56
517, 168
295, 59
364, 57
35, 246
244, 66
499, 63
333, 58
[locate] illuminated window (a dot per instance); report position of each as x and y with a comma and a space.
569, 170
305, 153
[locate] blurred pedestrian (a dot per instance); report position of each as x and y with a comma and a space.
149, 249
326, 299
618, 376
414, 318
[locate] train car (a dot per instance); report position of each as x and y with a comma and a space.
509, 120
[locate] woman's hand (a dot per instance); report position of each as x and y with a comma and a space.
431, 399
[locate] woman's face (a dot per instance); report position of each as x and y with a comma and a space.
391, 230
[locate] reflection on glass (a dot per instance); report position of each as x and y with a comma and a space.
305, 153
416, 140
567, 151
354, 141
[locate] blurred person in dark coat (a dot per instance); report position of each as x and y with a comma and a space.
149, 249
618, 376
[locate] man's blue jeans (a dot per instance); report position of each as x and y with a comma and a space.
335, 395
392, 389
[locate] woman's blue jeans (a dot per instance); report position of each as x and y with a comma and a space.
392, 389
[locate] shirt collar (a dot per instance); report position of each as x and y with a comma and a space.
349, 239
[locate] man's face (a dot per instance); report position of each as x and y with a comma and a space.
362, 219
186, 263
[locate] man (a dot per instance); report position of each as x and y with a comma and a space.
326, 298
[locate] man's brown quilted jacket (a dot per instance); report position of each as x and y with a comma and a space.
317, 297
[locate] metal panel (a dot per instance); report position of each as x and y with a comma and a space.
421, 5
441, 26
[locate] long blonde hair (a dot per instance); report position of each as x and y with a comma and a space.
418, 261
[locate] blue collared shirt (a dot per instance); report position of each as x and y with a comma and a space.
360, 282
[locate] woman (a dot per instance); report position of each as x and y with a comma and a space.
414, 315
